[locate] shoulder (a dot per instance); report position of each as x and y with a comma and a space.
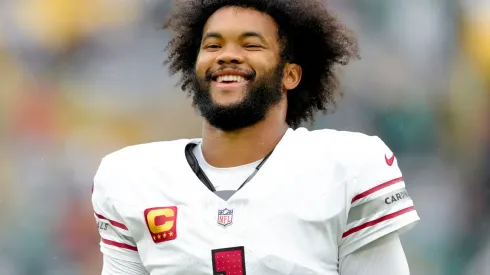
376, 197
345, 140
117, 168
368, 155
353, 149
148, 152
364, 161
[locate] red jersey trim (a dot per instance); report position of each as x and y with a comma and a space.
376, 188
120, 245
374, 222
116, 224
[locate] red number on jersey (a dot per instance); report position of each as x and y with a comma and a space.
229, 261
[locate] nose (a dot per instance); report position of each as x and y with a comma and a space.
230, 55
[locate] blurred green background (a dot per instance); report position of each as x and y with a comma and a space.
79, 79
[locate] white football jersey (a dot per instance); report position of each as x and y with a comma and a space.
320, 196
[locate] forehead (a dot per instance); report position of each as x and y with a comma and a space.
237, 20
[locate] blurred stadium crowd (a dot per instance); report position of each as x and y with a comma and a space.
79, 79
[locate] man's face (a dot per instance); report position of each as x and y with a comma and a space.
239, 74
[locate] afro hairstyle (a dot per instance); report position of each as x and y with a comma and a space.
311, 37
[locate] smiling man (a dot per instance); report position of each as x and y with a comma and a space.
256, 194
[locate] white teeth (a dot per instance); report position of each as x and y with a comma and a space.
230, 78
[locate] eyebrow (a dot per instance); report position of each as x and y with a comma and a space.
243, 35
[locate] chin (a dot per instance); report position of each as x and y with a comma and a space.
228, 100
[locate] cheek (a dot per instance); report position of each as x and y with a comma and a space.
263, 63
266, 69
203, 63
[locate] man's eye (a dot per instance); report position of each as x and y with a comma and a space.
252, 46
213, 46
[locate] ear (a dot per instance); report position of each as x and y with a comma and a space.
292, 76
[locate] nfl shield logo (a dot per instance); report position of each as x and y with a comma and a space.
225, 217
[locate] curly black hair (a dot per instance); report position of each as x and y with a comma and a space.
311, 37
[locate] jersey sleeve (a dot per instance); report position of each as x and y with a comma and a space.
115, 236
385, 253
379, 203
113, 266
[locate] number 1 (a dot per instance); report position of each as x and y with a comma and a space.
229, 261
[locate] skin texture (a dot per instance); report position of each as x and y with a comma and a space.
243, 41
310, 35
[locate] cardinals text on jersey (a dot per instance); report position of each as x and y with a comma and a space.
320, 196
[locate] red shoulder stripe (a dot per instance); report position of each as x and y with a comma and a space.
376, 188
116, 224
374, 222
120, 245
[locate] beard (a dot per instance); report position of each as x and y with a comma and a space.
260, 96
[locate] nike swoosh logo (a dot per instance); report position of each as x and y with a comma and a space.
390, 161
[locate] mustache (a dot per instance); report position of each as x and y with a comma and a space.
249, 74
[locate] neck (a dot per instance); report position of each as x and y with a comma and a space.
240, 147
